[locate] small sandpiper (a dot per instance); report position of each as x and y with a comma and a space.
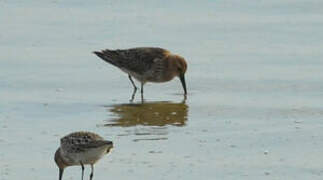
81, 148
147, 64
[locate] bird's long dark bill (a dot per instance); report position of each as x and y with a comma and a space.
182, 78
61, 173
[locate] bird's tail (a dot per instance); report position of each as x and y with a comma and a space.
105, 55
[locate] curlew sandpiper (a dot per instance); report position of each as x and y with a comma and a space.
81, 148
147, 64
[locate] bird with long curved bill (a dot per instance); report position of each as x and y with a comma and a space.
147, 64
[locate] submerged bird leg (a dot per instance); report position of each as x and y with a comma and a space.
82, 169
134, 88
91, 175
184, 99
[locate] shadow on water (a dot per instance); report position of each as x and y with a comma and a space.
158, 114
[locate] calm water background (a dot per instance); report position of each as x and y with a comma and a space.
255, 82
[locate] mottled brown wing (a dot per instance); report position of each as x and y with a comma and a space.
80, 136
138, 60
77, 145
75, 141
93, 144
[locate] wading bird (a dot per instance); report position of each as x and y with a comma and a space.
147, 64
81, 148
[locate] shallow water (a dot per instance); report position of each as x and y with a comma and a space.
255, 82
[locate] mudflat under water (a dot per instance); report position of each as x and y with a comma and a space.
255, 82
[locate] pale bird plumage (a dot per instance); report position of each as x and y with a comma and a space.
81, 148
147, 64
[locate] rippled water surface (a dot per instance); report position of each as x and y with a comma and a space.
254, 108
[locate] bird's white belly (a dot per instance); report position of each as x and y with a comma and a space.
140, 78
87, 157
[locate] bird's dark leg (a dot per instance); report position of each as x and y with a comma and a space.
91, 175
134, 88
133, 83
82, 169
142, 92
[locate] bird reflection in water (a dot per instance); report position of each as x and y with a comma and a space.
149, 114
